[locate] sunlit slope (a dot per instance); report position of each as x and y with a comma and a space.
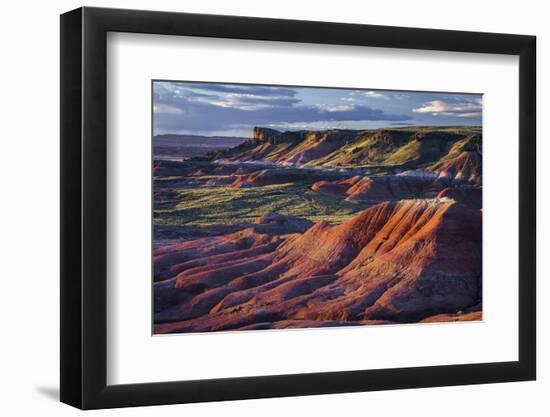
414, 146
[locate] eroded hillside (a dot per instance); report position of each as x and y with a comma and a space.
394, 262
344, 148
321, 228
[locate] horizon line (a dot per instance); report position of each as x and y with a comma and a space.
390, 127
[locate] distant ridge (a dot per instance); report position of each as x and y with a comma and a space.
197, 140
419, 146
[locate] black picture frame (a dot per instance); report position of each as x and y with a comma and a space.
84, 207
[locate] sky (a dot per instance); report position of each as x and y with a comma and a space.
213, 109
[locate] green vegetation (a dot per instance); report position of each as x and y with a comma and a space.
213, 205
186, 200
406, 153
396, 147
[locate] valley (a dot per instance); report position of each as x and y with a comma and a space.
318, 228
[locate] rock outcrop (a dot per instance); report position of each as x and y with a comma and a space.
376, 189
465, 167
281, 176
395, 262
343, 147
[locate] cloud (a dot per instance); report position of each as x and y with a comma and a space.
458, 109
374, 94
248, 101
214, 107
358, 95
242, 97
208, 117
240, 89
335, 108
203, 108
166, 108
478, 114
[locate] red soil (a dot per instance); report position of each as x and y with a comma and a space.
394, 262
464, 167
381, 188
443, 318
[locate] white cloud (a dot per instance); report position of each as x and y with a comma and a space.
368, 94
334, 108
442, 108
167, 109
228, 100
386, 95
374, 94
244, 101
478, 114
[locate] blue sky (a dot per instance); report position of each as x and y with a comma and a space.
234, 109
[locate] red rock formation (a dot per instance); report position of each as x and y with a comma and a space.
394, 262
281, 176
343, 147
465, 167
445, 318
263, 134
337, 187
376, 189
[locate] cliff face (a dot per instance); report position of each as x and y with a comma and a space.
463, 162
464, 167
336, 148
263, 134
397, 261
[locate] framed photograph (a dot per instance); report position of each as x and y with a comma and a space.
257, 208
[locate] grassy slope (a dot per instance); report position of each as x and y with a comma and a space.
208, 205
383, 147
393, 147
